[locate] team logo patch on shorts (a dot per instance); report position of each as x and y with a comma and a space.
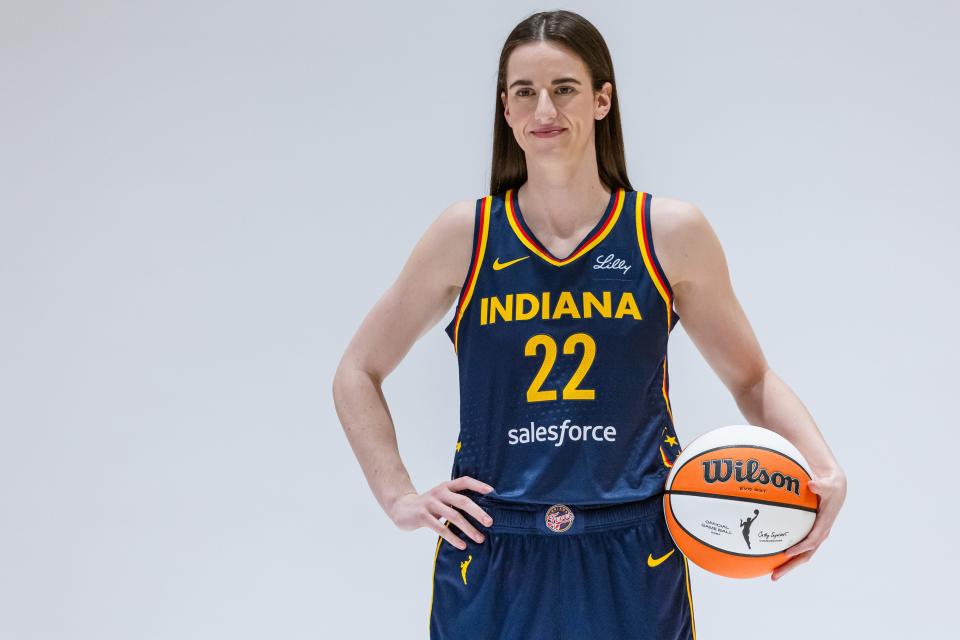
559, 518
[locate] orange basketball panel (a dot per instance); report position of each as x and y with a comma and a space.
746, 472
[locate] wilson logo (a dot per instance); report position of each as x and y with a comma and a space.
722, 469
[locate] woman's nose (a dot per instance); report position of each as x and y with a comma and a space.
545, 104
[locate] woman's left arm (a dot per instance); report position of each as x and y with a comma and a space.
693, 260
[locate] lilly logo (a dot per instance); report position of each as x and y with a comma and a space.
612, 262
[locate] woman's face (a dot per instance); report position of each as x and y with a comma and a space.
548, 88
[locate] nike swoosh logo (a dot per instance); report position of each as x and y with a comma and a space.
651, 562
497, 265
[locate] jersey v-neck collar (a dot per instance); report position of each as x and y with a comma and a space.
592, 239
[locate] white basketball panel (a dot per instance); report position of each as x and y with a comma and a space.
720, 523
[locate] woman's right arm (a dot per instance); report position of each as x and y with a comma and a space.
423, 292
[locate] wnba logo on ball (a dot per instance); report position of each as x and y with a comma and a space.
559, 518
721, 469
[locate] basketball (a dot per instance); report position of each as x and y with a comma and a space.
736, 498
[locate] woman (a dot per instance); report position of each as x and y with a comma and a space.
553, 513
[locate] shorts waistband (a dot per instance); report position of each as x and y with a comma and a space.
565, 519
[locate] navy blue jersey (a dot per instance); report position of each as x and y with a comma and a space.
564, 388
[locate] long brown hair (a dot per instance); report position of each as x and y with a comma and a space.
509, 168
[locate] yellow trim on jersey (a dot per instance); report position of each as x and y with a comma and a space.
663, 388
481, 249
511, 215
433, 576
647, 261
655, 278
693, 625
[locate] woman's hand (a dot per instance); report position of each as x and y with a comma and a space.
832, 489
412, 511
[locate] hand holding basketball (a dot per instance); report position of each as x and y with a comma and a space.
737, 498
412, 511
832, 489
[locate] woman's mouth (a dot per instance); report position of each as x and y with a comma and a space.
550, 133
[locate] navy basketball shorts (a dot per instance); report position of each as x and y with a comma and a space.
563, 571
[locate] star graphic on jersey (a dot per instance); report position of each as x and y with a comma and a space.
671, 440
458, 447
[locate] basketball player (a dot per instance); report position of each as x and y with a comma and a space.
745, 526
565, 283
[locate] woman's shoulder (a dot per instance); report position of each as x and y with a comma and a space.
673, 214
680, 229
457, 219
452, 239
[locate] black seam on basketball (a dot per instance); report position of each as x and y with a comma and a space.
744, 446
704, 542
740, 498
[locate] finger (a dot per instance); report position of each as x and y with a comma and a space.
457, 518
791, 564
468, 505
466, 482
810, 543
822, 523
818, 490
445, 532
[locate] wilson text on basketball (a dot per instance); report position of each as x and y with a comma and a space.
722, 469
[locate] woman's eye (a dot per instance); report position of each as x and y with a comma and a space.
526, 92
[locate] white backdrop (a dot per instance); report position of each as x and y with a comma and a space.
199, 202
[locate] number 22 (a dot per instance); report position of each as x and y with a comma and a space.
570, 391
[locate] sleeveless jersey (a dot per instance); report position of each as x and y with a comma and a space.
564, 388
